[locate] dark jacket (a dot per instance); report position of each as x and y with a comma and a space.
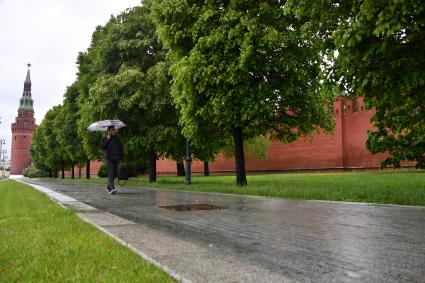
112, 148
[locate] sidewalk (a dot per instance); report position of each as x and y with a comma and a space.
255, 239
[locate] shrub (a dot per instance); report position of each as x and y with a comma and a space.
103, 171
136, 168
33, 172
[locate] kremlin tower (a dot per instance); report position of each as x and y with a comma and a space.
22, 130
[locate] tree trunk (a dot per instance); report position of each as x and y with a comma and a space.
79, 170
63, 169
188, 178
88, 169
72, 170
152, 167
180, 168
206, 168
50, 173
239, 157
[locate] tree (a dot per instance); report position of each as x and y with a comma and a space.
66, 129
46, 150
380, 45
247, 68
124, 75
255, 148
39, 151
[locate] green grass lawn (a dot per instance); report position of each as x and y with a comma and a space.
42, 242
385, 187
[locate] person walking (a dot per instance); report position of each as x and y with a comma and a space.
113, 151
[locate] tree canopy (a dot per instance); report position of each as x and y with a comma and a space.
239, 73
381, 56
66, 130
246, 67
47, 153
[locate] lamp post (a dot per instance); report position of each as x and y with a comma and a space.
3, 163
187, 180
2, 142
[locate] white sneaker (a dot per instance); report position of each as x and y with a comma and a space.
113, 191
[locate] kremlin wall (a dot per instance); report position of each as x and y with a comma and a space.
344, 149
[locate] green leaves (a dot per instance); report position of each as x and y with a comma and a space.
135, 90
241, 66
46, 151
123, 75
255, 148
176, 69
379, 48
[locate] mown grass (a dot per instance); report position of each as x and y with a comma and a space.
42, 242
384, 187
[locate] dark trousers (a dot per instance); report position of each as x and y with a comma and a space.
112, 167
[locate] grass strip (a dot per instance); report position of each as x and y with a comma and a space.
384, 187
42, 242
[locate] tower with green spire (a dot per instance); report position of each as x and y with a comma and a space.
22, 130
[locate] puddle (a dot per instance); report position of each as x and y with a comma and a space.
192, 207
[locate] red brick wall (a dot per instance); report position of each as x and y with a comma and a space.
22, 131
357, 123
21, 157
343, 149
94, 168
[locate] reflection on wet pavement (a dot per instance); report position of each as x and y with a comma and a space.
191, 207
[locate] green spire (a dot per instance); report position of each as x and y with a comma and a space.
28, 78
26, 102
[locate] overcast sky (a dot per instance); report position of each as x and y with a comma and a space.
49, 34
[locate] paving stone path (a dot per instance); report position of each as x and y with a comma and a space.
262, 239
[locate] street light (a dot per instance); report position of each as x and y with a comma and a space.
2, 142
3, 163
187, 180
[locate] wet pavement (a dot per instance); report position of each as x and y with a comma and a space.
304, 241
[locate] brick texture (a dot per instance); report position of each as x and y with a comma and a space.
22, 131
344, 149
